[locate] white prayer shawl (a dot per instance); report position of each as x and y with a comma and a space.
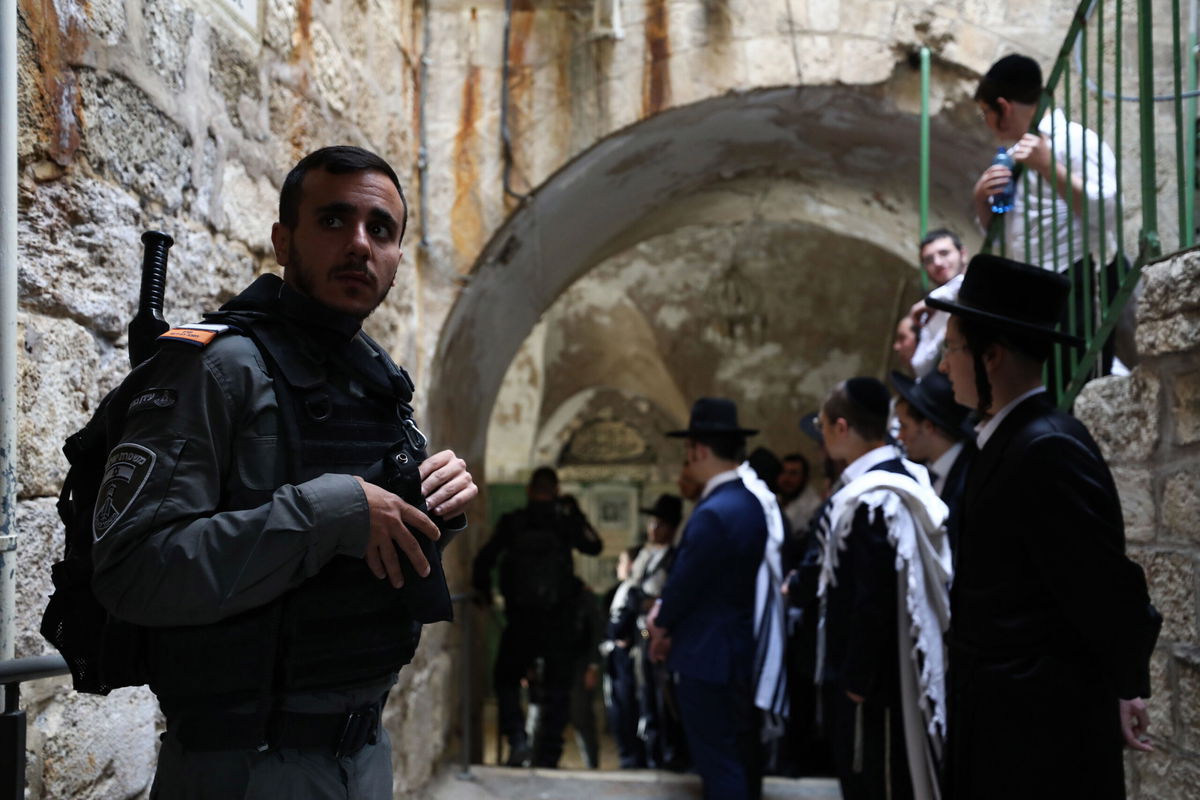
916, 519
770, 636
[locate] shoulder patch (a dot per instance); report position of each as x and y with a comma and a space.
151, 399
198, 335
125, 473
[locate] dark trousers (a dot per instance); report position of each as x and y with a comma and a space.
722, 729
523, 643
622, 709
660, 726
1083, 297
868, 747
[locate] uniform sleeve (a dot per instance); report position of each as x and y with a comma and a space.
698, 565
165, 553
872, 622
1077, 544
485, 559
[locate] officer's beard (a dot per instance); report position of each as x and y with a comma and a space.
304, 282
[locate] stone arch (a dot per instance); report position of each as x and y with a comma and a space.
851, 149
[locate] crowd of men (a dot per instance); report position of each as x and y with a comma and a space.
264, 531
952, 614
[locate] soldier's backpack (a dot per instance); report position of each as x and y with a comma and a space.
102, 652
537, 568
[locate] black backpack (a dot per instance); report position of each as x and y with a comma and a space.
102, 652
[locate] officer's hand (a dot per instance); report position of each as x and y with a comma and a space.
391, 521
446, 484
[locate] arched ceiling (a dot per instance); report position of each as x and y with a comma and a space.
833, 165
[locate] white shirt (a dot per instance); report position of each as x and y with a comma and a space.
929, 346
716, 480
1057, 248
867, 461
988, 427
942, 465
800, 508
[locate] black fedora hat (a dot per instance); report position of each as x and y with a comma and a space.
933, 397
713, 416
1012, 296
667, 507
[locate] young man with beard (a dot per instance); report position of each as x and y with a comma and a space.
236, 529
1048, 614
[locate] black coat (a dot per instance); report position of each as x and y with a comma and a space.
1050, 621
953, 489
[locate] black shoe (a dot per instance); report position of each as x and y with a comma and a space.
519, 753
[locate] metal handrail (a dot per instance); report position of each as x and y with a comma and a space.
16, 671
1109, 279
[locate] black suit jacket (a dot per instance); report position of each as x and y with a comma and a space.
954, 487
1049, 618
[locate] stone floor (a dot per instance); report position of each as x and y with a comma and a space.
503, 783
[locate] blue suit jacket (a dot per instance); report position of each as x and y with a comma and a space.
708, 602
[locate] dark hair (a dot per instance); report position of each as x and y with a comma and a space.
543, 479
338, 160
727, 447
940, 233
1016, 78
800, 458
913, 411
866, 422
980, 336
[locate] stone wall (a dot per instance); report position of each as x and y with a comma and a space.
1148, 425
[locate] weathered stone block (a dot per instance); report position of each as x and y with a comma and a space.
1181, 504
54, 402
1162, 698
1187, 666
169, 27
1171, 577
333, 76
416, 719
1171, 287
1122, 414
79, 251
39, 545
126, 136
249, 205
1136, 488
1185, 408
1177, 334
1164, 775
234, 74
86, 747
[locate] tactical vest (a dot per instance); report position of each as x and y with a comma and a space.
537, 570
341, 628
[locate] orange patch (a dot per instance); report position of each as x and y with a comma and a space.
195, 336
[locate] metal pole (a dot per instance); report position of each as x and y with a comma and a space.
8, 323
1150, 245
924, 154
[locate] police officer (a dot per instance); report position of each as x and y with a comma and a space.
537, 580
234, 527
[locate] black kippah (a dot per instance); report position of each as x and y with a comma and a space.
870, 395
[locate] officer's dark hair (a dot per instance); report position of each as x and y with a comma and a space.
337, 160
727, 447
940, 233
864, 410
979, 336
1016, 78
543, 480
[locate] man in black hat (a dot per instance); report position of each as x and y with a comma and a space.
1049, 616
934, 432
707, 609
884, 565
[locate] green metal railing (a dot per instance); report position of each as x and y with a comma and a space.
1083, 234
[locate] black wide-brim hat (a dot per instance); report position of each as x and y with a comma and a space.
667, 507
933, 397
713, 416
1012, 296
811, 425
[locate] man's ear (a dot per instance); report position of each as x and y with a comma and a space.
281, 240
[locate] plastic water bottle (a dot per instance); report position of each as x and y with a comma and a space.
1002, 201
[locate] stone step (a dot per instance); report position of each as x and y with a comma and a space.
505, 783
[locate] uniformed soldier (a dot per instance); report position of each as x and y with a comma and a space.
268, 576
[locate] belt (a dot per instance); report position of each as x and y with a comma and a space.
341, 735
